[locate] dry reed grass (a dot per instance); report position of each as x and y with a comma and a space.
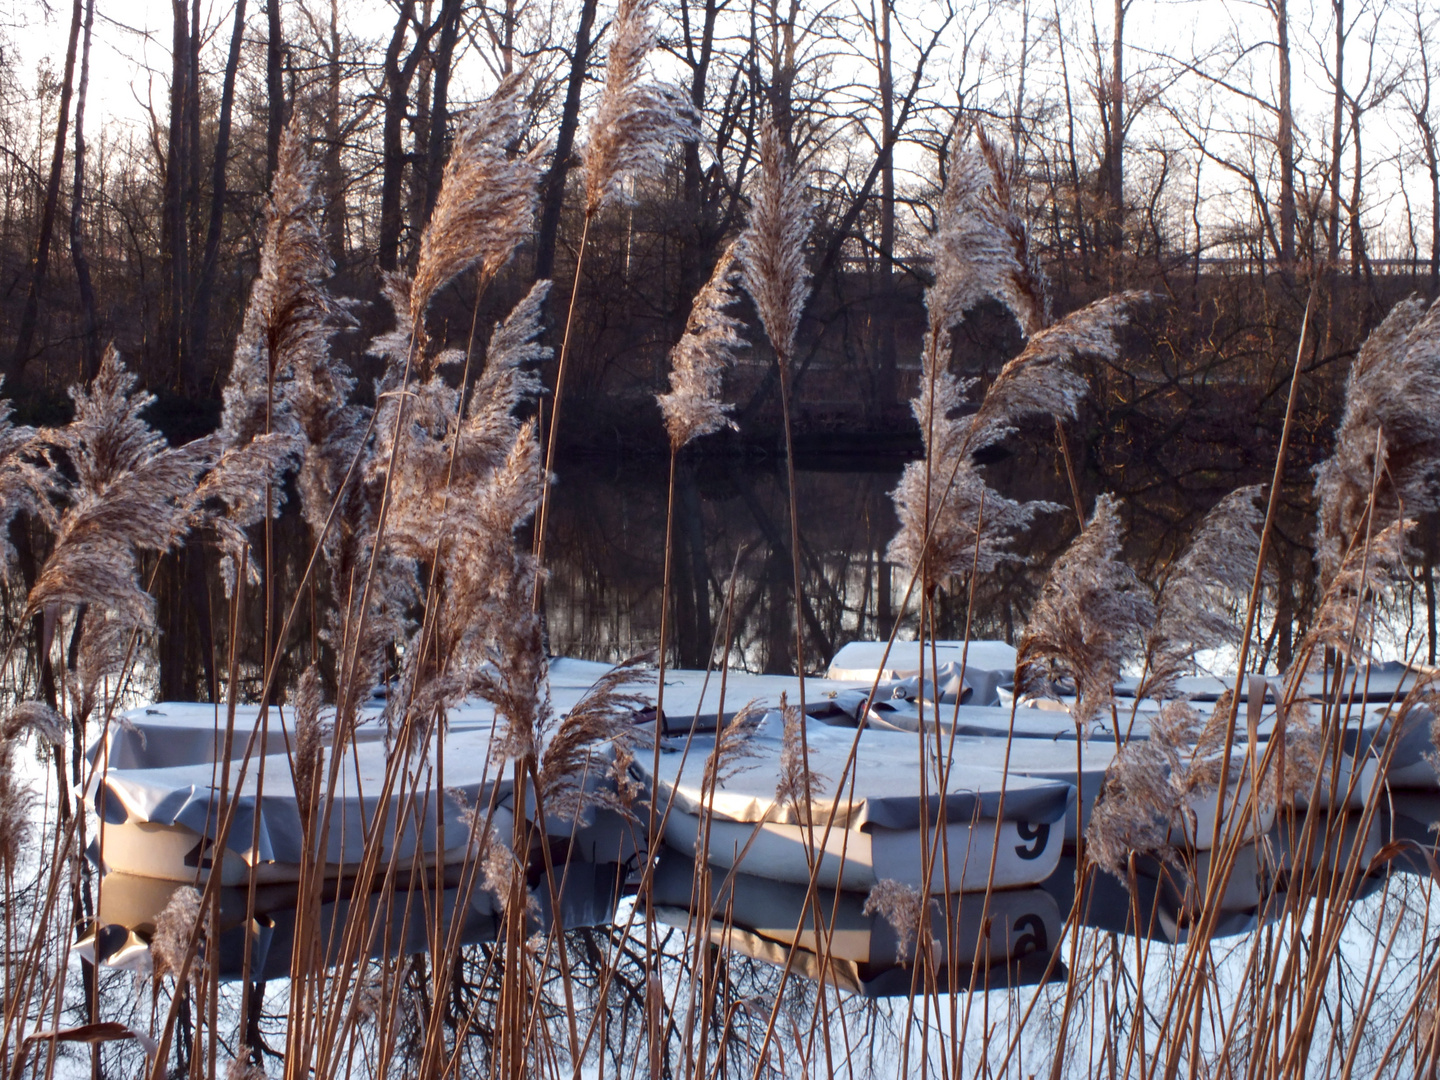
414, 509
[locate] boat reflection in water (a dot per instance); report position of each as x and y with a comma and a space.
401, 921
863, 952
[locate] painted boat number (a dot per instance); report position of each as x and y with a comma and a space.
1035, 836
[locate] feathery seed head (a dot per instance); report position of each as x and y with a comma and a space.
1041, 380
173, 929
1201, 590
733, 746
980, 248
959, 502
693, 407
772, 247
604, 717
637, 120
901, 906
1089, 618
1392, 404
291, 316
486, 200
132, 493
798, 783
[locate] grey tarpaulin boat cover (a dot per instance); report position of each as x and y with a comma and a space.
885, 794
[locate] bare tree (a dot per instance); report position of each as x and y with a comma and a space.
1416, 92
24, 337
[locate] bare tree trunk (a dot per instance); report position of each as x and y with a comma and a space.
24, 337
1419, 109
1336, 132
552, 188
174, 254
1359, 259
1115, 173
439, 109
420, 138
218, 195
274, 86
90, 329
333, 176
397, 97
1285, 139
885, 389
1081, 234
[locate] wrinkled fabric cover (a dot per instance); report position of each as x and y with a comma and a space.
188, 795
885, 793
866, 661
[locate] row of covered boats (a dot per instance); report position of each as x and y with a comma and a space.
941, 784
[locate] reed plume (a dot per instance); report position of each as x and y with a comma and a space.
1346, 615
959, 503
1041, 380
468, 482
16, 798
1201, 590
291, 316
980, 248
1392, 407
244, 487
308, 754
242, 1068
771, 250
26, 480
798, 783
174, 927
601, 722
486, 200
901, 906
445, 480
734, 746
693, 406
1089, 619
637, 119
1148, 787
132, 493
104, 647
483, 212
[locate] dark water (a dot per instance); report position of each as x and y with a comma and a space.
732, 532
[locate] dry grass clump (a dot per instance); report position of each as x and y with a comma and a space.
1088, 620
